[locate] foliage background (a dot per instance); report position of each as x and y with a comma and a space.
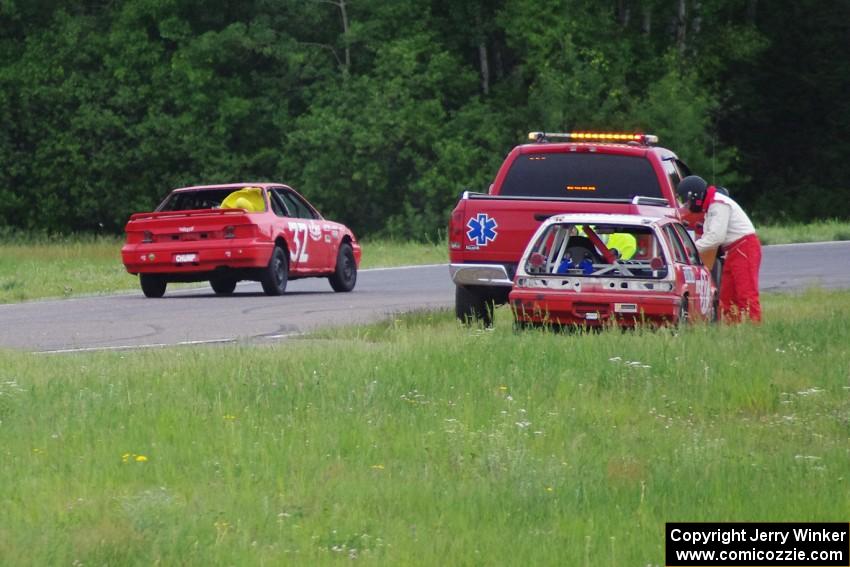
381, 112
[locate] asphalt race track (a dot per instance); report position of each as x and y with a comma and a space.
198, 316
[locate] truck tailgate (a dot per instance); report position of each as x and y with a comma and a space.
497, 229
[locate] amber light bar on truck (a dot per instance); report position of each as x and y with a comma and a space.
646, 139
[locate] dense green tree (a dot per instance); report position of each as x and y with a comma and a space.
790, 111
382, 112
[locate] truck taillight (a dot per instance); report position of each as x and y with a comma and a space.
230, 232
456, 229
147, 236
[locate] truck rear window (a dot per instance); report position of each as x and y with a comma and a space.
581, 175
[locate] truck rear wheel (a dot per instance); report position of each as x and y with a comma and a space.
473, 304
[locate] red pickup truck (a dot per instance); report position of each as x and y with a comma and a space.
556, 173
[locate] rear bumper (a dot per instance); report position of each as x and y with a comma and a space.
160, 258
480, 274
593, 309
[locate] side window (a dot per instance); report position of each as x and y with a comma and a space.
676, 246
690, 248
672, 173
297, 206
684, 170
278, 205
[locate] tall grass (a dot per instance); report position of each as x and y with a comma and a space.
817, 231
420, 442
45, 266
379, 253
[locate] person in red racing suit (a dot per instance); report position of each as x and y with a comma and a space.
727, 225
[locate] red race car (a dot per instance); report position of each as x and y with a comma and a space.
590, 270
247, 231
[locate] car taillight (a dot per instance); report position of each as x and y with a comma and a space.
230, 232
147, 236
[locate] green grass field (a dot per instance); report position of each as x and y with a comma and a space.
819, 231
420, 442
39, 267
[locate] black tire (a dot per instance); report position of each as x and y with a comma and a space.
223, 285
152, 285
682, 316
276, 274
716, 275
345, 274
714, 314
473, 304
717, 271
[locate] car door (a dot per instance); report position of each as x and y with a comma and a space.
307, 247
287, 224
685, 274
702, 295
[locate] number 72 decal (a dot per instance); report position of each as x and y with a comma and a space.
299, 231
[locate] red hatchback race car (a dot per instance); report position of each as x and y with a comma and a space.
590, 270
247, 231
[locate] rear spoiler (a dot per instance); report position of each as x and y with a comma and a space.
181, 214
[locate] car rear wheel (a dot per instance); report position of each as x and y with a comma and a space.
152, 285
682, 317
714, 312
473, 304
276, 274
223, 285
345, 274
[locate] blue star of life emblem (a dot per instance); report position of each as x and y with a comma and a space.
482, 229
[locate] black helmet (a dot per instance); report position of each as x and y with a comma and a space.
691, 190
